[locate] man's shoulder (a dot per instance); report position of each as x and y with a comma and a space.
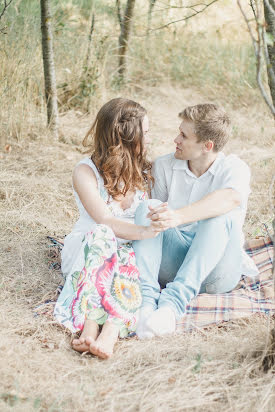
166, 161
232, 161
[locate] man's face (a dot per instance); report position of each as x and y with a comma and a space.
187, 146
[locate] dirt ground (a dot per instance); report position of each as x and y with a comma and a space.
210, 370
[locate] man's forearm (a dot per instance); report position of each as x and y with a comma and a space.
214, 204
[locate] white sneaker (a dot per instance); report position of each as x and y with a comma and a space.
161, 322
144, 314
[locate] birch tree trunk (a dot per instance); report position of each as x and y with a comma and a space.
150, 11
270, 30
89, 47
125, 28
49, 70
87, 72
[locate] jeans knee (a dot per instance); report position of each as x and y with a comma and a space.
223, 279
228, 220
221, 286
143, 209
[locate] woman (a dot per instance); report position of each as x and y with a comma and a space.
102, 281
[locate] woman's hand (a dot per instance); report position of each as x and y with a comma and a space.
163, 217
149, 232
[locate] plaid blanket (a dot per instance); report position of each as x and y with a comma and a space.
252, 295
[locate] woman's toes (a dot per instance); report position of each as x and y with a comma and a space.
93, 348
104, 353
89, 340
80, 345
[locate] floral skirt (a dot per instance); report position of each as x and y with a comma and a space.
103, 285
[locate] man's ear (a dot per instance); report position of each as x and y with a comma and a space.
209, 145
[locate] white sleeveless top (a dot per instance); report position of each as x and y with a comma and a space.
85, 223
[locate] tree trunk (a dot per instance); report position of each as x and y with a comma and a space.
269, 358
125, 27
49, 70
270, 30
269, 12
150, 11
87, 72
88, 56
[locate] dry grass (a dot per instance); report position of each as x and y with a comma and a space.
212, 370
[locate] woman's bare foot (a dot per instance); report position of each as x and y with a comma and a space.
88, 336
103, 347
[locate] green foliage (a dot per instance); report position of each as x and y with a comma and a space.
198, 364
197, 61
269, 38
217, 66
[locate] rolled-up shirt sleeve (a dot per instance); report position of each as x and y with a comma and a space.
159, 190
236, 175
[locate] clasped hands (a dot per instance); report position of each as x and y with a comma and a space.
163, 218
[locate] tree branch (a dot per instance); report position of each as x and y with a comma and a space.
267, 59
171, 6
196, 12
119, 16
254, 40
252, 5
259, 45
6, 5
270, 7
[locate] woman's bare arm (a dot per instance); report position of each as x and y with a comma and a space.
214, 204
85, 184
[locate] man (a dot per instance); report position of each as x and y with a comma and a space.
199, 247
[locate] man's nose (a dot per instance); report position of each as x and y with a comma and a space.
176, 140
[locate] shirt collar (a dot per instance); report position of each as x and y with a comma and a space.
213, 168
183, 165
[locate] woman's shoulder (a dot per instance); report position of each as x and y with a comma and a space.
87, 161
84, 170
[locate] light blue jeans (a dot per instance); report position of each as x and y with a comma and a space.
187, 263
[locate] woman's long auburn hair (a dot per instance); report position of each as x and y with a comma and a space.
117, 147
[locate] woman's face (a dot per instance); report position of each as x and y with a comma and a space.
145, 129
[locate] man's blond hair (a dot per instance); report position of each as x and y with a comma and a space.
211, 123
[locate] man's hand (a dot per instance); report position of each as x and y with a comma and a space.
163, 217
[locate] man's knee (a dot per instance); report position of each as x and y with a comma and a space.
221, 280
143, 210
221, 286
229, 220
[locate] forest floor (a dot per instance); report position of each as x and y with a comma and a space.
209, 370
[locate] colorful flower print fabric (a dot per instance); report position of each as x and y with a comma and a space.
103, 284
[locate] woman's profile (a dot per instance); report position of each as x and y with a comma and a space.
102, 287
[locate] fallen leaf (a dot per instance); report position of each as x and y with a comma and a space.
107, 390
7, 148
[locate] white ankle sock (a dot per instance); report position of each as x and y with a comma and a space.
161, 322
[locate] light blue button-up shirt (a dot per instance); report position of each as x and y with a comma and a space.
177, 185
